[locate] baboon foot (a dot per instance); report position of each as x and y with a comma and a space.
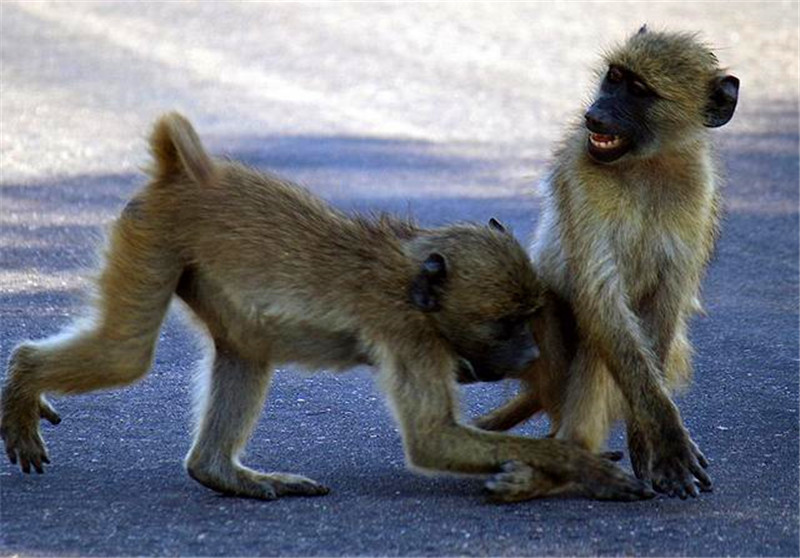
19, 428
241, 481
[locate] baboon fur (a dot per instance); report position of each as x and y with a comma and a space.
623, 246
275, 275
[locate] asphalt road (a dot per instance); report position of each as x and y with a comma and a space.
449, 111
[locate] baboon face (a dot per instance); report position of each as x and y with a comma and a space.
496, 349
481, 291
657, 90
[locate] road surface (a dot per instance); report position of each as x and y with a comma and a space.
448, 111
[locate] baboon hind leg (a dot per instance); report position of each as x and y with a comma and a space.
591, 404
230, 404
517, 410
112, 347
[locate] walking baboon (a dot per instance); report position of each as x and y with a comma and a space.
275, 275
629, 221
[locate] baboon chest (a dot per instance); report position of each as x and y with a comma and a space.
645, 251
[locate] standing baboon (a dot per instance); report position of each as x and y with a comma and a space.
275, 275
629, 222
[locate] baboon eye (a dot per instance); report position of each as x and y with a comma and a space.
614, 75
639, 89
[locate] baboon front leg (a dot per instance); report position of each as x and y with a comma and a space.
423, 400
231, 402
112, 347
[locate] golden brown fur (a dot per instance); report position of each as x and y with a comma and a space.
273, 275
626, 245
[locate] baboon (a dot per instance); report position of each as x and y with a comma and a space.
275, 275
630, 218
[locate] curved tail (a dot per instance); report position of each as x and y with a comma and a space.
177, 151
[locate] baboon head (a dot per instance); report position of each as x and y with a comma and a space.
657, 90
478, 287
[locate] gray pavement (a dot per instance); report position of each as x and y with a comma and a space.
449, 111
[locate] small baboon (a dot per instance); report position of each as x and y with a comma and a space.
274, 275
630, 218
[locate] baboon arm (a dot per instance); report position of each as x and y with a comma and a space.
660, 313
660, 445
620, 340
615, 332
423, 400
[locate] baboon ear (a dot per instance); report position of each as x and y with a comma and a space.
722, 101
496, 225
426, 286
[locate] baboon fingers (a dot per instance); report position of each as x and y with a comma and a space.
519, 481
24, 447
47, 412
12, 454
632, 491
681, 479
704, 488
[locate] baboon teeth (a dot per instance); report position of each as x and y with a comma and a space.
605, 141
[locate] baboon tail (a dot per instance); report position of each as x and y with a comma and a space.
177, 150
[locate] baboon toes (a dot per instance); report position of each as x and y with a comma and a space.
243, 482
296, 485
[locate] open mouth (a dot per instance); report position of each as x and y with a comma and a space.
605, 141
605, 148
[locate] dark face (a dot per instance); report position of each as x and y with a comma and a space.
496, 349
617, 120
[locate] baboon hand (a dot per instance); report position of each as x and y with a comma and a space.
19, 428
601, 480
676, 464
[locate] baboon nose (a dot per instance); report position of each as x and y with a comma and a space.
593, 122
